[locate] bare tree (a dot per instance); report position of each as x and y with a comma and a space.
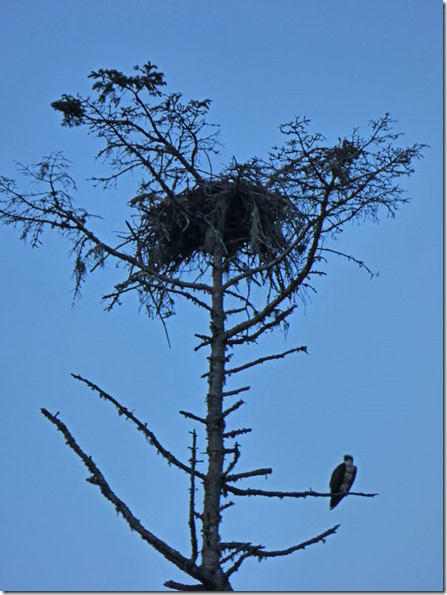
243, 245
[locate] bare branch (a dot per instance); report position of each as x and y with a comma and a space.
245, 474
278, 318
233, 408
225, 506
249, 550
234, 433
98, 479
259, 552
192, 416
266, 358
206, 340
236, 391
360, 263
233, 462
294, 548
141, 427
192, 490
191, 297
284, 494
236, 546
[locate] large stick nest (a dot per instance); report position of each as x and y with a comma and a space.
245, 218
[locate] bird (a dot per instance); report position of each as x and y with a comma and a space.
342, 479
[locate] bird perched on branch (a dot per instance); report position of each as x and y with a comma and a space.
342, 479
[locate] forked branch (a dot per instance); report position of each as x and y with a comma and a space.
97, 478
260, 553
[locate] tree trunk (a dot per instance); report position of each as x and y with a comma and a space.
215, 428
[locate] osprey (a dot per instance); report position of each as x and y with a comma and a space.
342, 479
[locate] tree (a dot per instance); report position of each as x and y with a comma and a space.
243, 245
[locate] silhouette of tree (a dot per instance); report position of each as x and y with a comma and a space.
243, 245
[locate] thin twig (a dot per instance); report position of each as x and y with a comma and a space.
236, 455
237, 547
360, 263
300, 546
233, 408
229, 393
266, 358
234, 433
264, 327
250, 550
226, 505
192, 416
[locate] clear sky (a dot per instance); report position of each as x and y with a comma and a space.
372, 382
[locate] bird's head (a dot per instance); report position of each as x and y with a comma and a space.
348, 459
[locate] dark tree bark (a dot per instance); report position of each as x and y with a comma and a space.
215, 426
243, 245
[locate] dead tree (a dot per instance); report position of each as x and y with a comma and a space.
243, 245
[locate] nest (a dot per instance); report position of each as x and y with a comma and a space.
244, 218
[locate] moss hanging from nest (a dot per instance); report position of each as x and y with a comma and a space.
243, 216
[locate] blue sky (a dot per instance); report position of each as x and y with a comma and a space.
372, 382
